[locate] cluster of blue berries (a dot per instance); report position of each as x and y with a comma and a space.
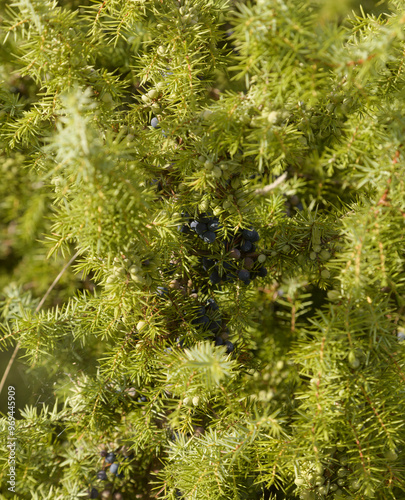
208, 318
112, 466
244, 263
205, 226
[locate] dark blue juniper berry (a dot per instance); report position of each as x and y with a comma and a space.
162, 291
219, 341
110, 458
93, 493
215, 278
251, 235
214, 225
229, 346
142, 399
244, 275
200, 320
200, 228
102, 475
184, 229
114, 469
212, 305
246, 246
262, 272
209, 237
154, 122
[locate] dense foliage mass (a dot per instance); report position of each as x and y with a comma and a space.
226, 180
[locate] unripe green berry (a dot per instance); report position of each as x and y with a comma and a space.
286, 248
333, 295
153, 93
354, 362
316, 248
235, 183
342, 472
341, 482
355, 485
320, 469
299, 481
273, 117
323, 490
196, 400
261, 258
325, 274
324, 255
141, 325
208, 165
312, 255
160, 85
161, 50
217, 172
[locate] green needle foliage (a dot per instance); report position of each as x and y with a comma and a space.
123, 123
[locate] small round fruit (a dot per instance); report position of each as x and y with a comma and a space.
102, 475
196, 400
243, 275
234, 253
209, 237
229, 347
312, 255
323, 490
299, 481
141, 325
355, 485
208, 165
106, 494
320, 480
217, 172
114, 468
262, 258
316, 248
324, 255
93, 493
320, 469
153, 93
248, 263
110, 458
353, 360
342, 472
154, 122
325, 274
